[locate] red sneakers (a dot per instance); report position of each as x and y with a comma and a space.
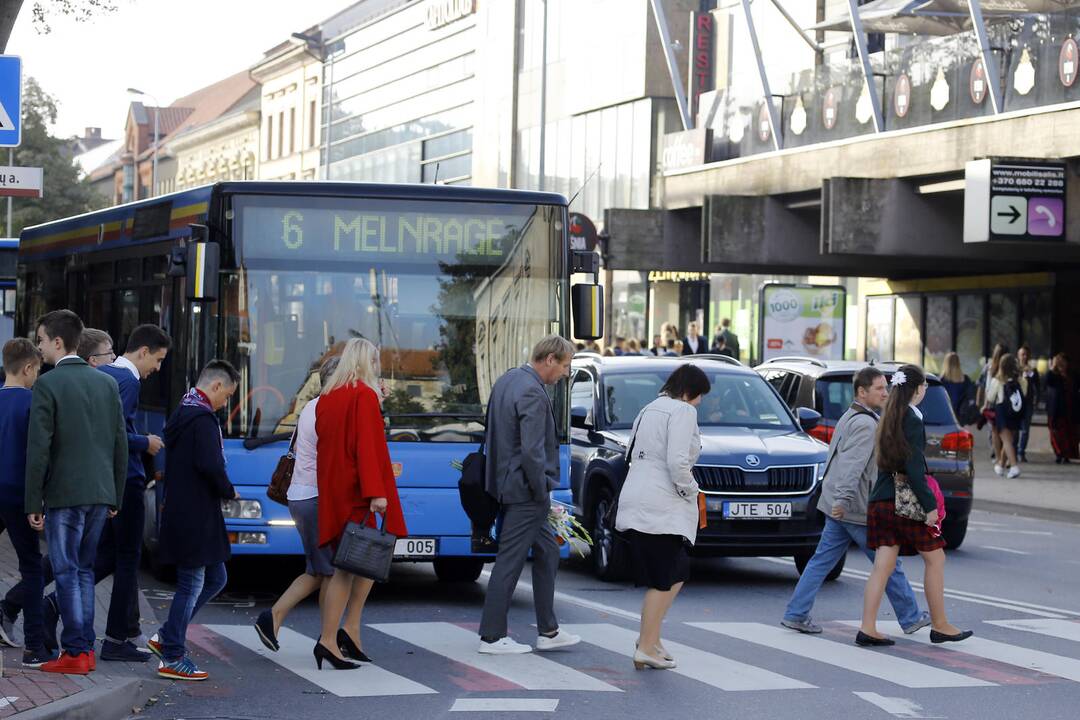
93, 661
69, 664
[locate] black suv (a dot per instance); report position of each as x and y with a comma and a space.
826, 387
758, 468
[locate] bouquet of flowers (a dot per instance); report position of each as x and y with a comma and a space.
566, 527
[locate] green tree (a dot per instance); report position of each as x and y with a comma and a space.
64, 193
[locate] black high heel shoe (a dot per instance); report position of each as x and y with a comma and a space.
322, 653
348, 647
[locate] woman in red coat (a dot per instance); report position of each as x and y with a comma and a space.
355, 480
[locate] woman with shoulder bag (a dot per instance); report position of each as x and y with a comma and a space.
901, 443
303, 498
658, 504
356, 481
960, 389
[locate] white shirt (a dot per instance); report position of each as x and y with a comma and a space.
694, 343
305, 479
123, 362
67, 357
918, 412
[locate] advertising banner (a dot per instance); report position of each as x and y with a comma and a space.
803, 320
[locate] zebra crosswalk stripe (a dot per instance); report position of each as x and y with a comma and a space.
705, 667
861, 660
1064, 629
295, 656
1038, 660
530, 671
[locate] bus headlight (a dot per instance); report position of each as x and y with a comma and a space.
242, 509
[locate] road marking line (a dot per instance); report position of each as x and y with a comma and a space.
295, 656
1064, 629
503, 705
1016, 532
1004, 603
898, 707
1005, 550
714, 670
1005, 653
525, 586
8, 700
875, 664
529, 671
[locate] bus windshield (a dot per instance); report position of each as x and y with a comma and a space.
453, 294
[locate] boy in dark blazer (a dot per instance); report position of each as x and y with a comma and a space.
193, 534
76, 469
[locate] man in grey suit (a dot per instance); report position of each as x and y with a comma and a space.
850, 470
522, 469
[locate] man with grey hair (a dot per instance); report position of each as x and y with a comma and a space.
522, 469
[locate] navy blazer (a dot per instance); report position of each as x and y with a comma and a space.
138, 443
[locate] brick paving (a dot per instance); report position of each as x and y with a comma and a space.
25, 688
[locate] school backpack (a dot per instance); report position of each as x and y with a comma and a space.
1013, 400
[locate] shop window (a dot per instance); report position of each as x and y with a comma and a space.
1036, 310
939, 332
970, 328
1004, 321
879, 328
908, 337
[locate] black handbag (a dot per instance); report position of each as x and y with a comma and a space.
478, 504
366, 551
612, 514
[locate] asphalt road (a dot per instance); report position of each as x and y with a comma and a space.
1014, 582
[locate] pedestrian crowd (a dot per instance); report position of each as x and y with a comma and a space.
669, 343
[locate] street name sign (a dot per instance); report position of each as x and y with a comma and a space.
1014, 200
10, 100
21, 182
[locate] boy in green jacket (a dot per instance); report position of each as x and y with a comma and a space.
76, 468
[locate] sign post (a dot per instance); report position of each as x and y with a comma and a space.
1014, 200
21, 182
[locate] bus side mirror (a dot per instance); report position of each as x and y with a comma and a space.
587, 307
203, 262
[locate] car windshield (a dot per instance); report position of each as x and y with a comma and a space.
736, 400
836, 393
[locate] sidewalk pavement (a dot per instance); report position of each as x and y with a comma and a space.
114, 690
1043, 490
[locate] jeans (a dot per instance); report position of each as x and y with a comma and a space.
73, 534
27, 593
195, 586
834, 542
118, 555
1025, 431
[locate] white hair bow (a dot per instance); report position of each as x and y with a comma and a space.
899, 378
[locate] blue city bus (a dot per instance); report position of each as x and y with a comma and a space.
454, 284
9, 248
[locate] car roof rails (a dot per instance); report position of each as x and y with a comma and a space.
587, 354
798, 358
716, 356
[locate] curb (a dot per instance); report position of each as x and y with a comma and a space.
1066, 516
112, 700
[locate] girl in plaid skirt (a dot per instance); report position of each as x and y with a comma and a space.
901, 440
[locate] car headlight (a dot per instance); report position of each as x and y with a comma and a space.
820, 470
242, 509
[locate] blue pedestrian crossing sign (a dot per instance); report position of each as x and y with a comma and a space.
10, 100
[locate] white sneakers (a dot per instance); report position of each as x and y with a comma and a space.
1014, 472
561, 639
999, 469
503, 646
508, 646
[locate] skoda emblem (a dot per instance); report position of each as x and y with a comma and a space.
753, 460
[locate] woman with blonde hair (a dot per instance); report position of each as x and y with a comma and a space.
356, 482
960, 389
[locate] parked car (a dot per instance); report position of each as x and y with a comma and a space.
760, 471
826, 387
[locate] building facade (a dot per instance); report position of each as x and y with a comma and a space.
290, 90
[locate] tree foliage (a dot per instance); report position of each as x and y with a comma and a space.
80, 10
64, 193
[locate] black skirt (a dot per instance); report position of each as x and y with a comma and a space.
659, 561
